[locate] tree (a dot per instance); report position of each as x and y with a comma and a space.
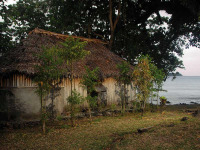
49, 73
113, 24
89, 81
72, 50
133, 28
158, 79
25, 16
124, 79
6, 42
142, 77
74, 100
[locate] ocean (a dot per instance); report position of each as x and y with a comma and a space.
183, 89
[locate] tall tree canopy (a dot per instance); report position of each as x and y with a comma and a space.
131, 27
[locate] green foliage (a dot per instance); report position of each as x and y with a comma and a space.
124, 73
48, 70
143, 80
158, 79
65, 126
136, 105
124, 79
162, 97
113, 107
75, 98
24, 16
44, 116
6, 42
73, 50
141, 29
59, 118
163, 101
89, 80
148, 79
158, 76
92, 101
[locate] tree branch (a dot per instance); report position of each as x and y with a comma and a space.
118, 15
110, 14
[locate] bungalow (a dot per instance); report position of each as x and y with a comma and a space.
17, 91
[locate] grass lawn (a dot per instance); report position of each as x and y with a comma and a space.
119, 132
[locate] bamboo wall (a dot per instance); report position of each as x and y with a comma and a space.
24, 91
113, 89
16, 80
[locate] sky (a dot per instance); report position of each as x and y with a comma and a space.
191, 61
191, 58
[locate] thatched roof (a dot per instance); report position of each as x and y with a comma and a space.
21, 59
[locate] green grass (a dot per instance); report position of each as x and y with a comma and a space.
119, 132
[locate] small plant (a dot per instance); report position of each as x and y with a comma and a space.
74, 100
73, 50
123, 80
49, 70
143, 80
136, 105
113, 107
59, 118
89, 81
163, 101
65, 126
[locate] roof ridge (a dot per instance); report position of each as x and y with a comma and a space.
63, 36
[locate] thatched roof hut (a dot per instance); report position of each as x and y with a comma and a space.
17, 70
22, 60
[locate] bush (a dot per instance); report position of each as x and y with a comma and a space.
74, 100
163, 100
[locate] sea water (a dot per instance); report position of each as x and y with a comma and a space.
183, 89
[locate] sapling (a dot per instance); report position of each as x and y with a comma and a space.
89, 80
48, 70
143, 80
74, 100
124, 79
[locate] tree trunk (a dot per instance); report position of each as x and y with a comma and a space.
41, 98
157, 100
52, 104
124, 99
113, 25
111, 39
151, 98
43, 109
72, 116
89, 31
72, 110
44, 115
143, 107
44, 126
89, 109
71, 78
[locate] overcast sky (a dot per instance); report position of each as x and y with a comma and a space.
191, 59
